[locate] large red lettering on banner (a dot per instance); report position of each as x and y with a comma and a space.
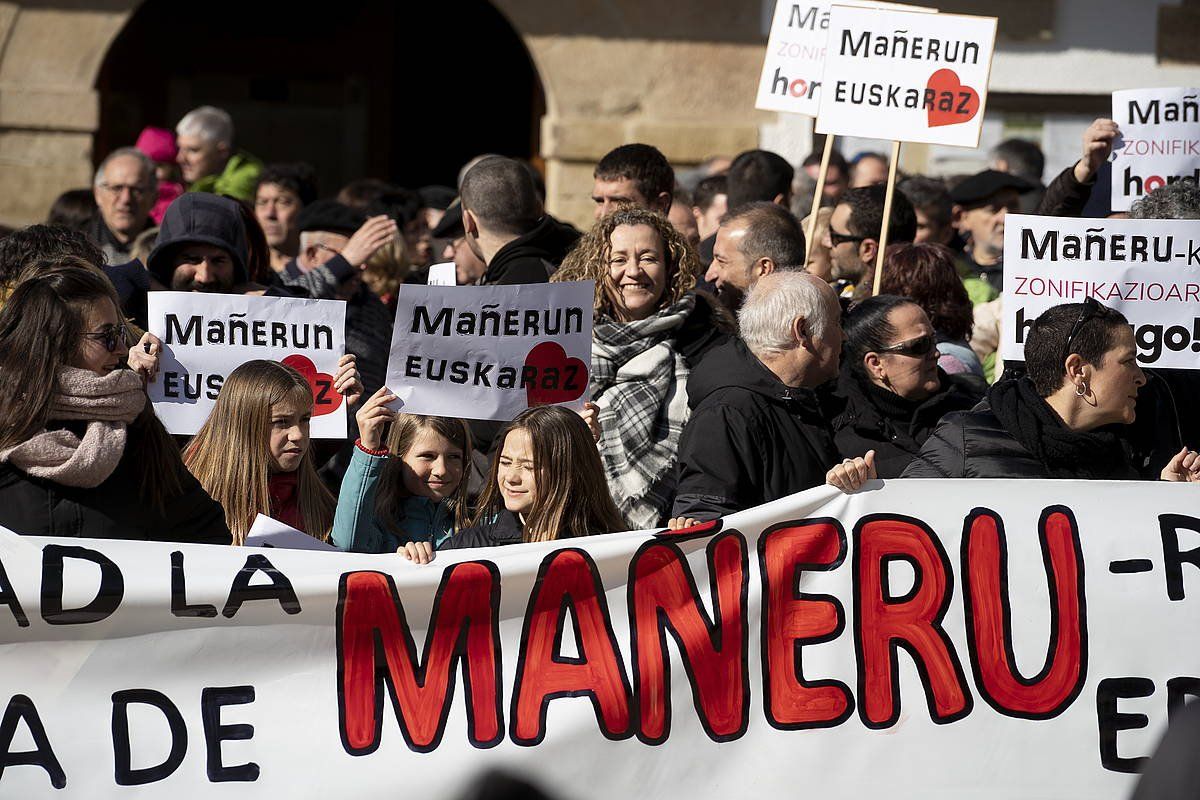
463, 626
792, 619
989, 617
663, 599
567, 581
883, 623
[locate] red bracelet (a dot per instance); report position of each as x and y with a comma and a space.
383, 451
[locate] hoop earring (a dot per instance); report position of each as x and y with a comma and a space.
1081, 390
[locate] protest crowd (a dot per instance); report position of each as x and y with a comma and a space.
733, 362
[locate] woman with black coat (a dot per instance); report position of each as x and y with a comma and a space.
1082, 379
81, 452
891, 394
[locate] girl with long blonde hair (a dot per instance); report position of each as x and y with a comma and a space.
252, 454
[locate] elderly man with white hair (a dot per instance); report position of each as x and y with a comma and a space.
207, 158
125, 190
756, 432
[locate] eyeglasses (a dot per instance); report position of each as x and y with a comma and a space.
916, 348
116, 189
111, 337
1091, 307
836, 238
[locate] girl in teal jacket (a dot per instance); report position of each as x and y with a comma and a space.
407, 491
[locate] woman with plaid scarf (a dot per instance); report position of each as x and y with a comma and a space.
651, 328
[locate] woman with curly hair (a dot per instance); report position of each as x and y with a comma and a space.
650, 330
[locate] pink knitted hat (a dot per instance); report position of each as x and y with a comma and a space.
158, 143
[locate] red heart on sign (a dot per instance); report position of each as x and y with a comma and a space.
325, 398
556, 378
952, 103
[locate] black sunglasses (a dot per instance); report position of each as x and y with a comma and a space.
112, 336
1091, 307
836, 238
917, 348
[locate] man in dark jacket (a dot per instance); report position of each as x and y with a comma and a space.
756, 433
506, 226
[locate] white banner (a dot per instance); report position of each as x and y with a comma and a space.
490, 352
923, 639
906, 76
1149, 270
1159, 144
795, 59
207, 336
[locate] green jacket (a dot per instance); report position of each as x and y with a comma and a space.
237, 180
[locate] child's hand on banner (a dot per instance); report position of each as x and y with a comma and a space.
420, 552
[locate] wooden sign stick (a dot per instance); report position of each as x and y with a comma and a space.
816, 203
887, 214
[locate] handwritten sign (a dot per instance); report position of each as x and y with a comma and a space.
1159, 144
207, 336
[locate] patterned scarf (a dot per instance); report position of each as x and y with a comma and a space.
108, 404
639, 381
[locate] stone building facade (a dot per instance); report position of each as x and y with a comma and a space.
680, 74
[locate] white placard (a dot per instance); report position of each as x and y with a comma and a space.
207, 336
795, 58
489, 352
442, 275
1149, 270
904, 642
1159, 142
906, 76
270, 532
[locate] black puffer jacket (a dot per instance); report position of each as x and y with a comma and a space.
115, 509
977, 444
750, 439
504, 529
533, 257
866, 417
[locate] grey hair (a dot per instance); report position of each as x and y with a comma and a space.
209, 123
126, 152
1178, 200
773, 304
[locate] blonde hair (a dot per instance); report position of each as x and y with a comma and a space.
589, 260
388, 506
231, 457
389, 267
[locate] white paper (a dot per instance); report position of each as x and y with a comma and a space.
270, 532
1159, 142
442, 275
489, 352
905, 76
795, 58
206, 336
1149, 270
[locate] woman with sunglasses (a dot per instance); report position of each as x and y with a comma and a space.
81, 452
1081, 376
891, 393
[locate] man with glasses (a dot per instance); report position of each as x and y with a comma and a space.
125, 190
854, 231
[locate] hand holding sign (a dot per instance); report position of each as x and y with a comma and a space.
1097, 146
374, 417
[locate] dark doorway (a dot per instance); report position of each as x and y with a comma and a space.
407, 92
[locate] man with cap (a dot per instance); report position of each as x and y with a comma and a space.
335, 242
981, 203
202, 246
